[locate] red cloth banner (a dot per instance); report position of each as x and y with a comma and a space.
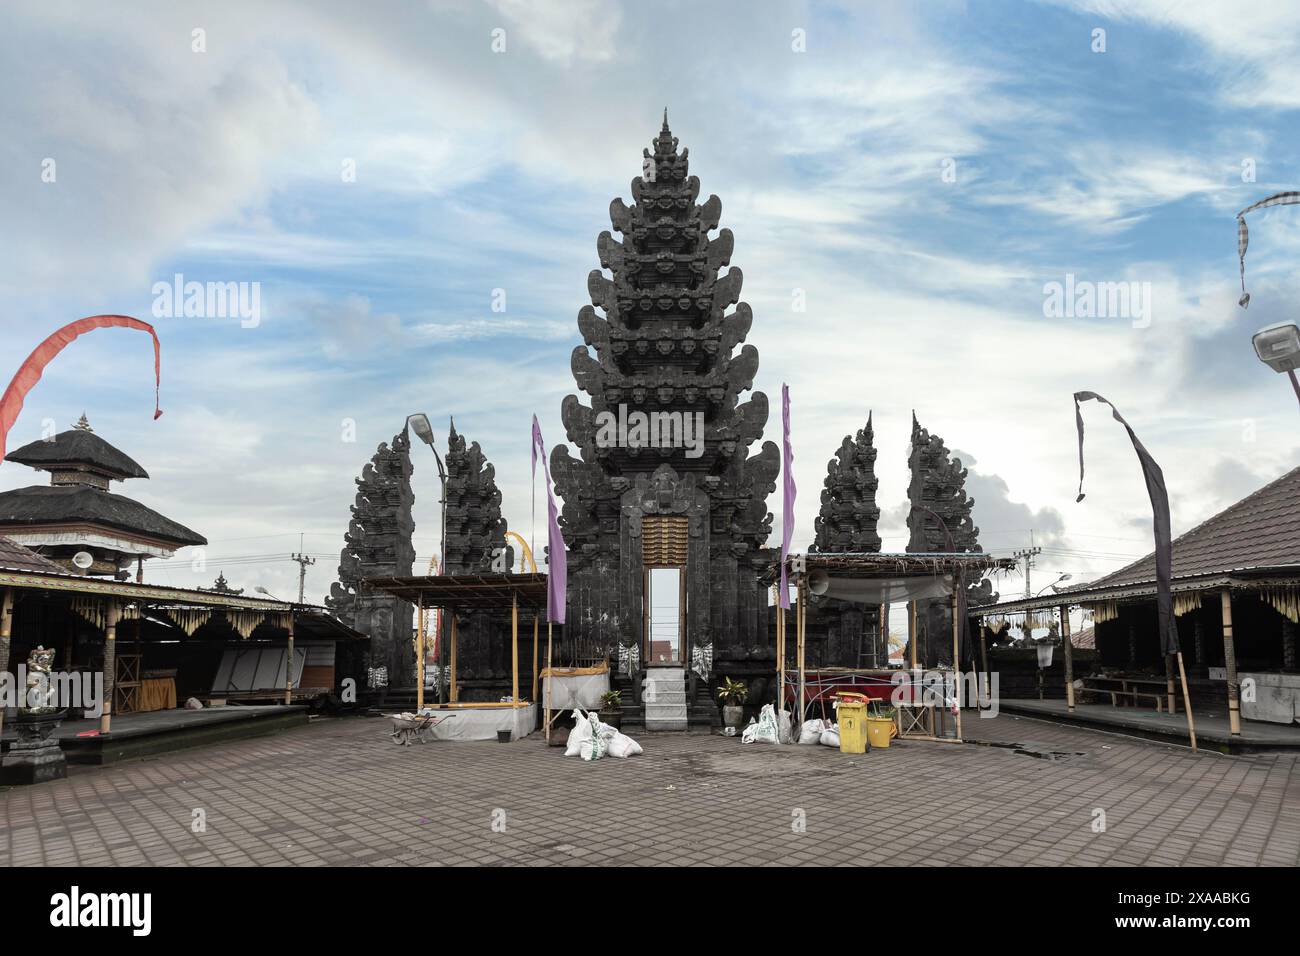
31, 370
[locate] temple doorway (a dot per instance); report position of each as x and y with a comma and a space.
665, 601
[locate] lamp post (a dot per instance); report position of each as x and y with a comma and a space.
1278, 347
419, 423
1063, 577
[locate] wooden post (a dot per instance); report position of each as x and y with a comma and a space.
1169, 681
545, 696
1230, 664
780, 651
915, 637
6, 637
110, 665
1187, 702
534, 697
453, 691
288, 666
1068, 650
514, 648
984, 658
419, 658
799, 641
883, 643
956, 658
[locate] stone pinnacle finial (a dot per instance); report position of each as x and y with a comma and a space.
83, 424
665, 118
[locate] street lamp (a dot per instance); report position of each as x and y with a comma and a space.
419, 423
1278, 347
267, 593
1063, 577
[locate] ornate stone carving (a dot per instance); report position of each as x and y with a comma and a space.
378, 544
665, 334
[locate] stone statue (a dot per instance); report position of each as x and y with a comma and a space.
40, 694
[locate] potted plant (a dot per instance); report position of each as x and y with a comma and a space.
733, 696
611, 708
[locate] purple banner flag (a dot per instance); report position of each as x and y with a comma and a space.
787, 494
558, 565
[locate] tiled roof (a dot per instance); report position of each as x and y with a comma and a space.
1260, 530
1085, 639
16, 557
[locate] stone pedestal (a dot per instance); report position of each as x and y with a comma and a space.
34, 756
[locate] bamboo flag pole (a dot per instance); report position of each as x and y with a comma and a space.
1187, 702
534, 697
547, 697
956, 662
419, 659
514, 648
800, 623
452, 693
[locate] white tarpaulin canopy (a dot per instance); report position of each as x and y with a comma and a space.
877, 590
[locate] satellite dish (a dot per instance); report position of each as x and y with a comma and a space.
83, 559
819, 582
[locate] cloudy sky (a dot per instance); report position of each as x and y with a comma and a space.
917, 174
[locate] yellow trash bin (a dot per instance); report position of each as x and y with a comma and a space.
852, 717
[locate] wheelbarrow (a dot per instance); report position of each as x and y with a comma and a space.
413, 728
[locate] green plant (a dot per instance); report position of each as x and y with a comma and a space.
611, 700
877, 708
733, 693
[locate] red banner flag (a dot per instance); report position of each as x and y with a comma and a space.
31, 370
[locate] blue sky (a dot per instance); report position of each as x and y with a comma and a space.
479, 170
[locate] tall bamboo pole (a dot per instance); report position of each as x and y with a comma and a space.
780, 650
956, 659
1187, 702
798, 636
110, 664
984, 658
534, 697
1230, 665
453, 692
514, 647
6, 637
545, 696
1068, 651
288, 667
419, 658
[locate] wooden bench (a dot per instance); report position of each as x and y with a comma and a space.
1130, 689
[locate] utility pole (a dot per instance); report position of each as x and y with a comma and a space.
303, 563
1027, 555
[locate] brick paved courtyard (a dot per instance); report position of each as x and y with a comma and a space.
338, 792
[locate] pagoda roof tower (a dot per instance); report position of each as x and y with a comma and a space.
76, 512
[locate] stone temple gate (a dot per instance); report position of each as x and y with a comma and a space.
665, 514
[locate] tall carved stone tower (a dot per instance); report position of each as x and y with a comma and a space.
841, 633
939, 520
665, 327
476, 531
378, 543
476, 543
